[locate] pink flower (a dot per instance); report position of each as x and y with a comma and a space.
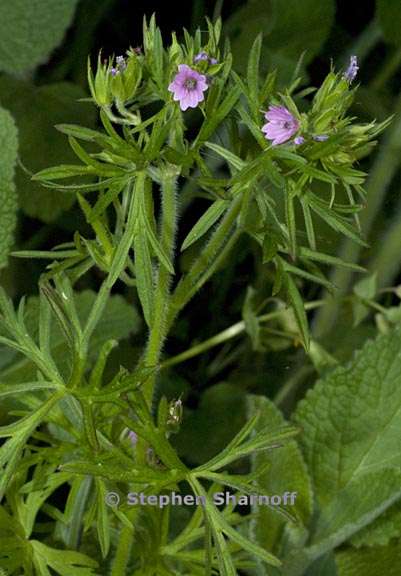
281, 125
188, 87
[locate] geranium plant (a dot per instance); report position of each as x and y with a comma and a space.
270, 166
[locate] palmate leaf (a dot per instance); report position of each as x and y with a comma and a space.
118, 321
218, 526
63, 562
11, 450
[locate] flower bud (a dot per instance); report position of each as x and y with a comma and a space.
100, 84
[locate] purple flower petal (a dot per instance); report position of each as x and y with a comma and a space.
133, 437
281, 125
201, 56
188, 87
352, 70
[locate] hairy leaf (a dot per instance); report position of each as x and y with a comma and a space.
30, 30
36, 111
8, 200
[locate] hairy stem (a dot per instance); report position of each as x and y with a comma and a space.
159, 328
124, 547
227, 334
207, 262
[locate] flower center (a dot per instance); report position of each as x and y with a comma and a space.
190, 83
287, 125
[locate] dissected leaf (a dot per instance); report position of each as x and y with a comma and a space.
118, 321
286, 473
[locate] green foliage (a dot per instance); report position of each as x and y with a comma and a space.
370, 561
119, 320
174, 205
36, 112
349, 444
206, 430
30, 30
285, 469
8, 201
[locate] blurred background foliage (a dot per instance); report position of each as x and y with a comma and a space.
44, 47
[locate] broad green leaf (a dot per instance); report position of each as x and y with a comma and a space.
389, 16
286, 472
8, 198
353, 414
371, 494
382, 530
373, 561
350, 439
353, 508
36, 111
30, 30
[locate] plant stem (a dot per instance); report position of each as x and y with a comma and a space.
227, 334
159, 328
124, 547
205, 265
